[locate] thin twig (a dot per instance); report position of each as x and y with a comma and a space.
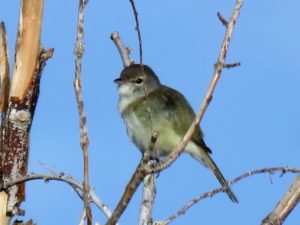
211, 193
287, 203
222, 19
76, 185
142, 170
84, 141
139, 173
82, 218
149, 189
124, 51
231, 65
216, 76
137, 27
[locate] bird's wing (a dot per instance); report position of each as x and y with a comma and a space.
178, 111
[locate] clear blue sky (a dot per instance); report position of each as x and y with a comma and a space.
252, 122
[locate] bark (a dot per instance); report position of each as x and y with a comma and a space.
18, 101
285, 206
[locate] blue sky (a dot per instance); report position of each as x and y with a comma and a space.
252, 122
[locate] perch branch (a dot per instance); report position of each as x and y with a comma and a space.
84, 141
143, 168
149, 191
157, 167
134, 183
285, 205
124, 51
211, 193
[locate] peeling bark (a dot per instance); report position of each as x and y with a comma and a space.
15, 127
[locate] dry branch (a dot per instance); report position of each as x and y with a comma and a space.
211, 193
24, 91
27, 47
15, 128
143, 169
222, 19
137, 28
20, 222
76, 185
124, 51
84, 141
216, 76
130, 189
4, 69
149, 191
4, 219
134, 183
285, 205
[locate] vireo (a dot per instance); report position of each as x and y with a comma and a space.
146, 105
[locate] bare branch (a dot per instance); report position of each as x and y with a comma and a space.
4, 219
216, 76
134, 182
231, 65
27, 47
137, 27
285, 205
143, 168
149, 192
130, 189
83, 216
84, 141
15, 128
20, 222
222, 19
76, 185
24, 91
4, 69
211, 193
124, 51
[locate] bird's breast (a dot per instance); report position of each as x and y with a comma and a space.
138, 130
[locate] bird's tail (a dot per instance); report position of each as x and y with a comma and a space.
212, 165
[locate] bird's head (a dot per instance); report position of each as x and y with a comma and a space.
136, 81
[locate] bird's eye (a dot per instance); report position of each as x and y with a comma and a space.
139, 81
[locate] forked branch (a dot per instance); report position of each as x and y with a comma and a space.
144, 169
213, 192
216, 76
76, 185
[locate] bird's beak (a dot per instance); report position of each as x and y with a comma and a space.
118, 81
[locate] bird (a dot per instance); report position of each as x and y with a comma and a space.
146, 105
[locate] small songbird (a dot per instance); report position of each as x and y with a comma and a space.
146, 105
